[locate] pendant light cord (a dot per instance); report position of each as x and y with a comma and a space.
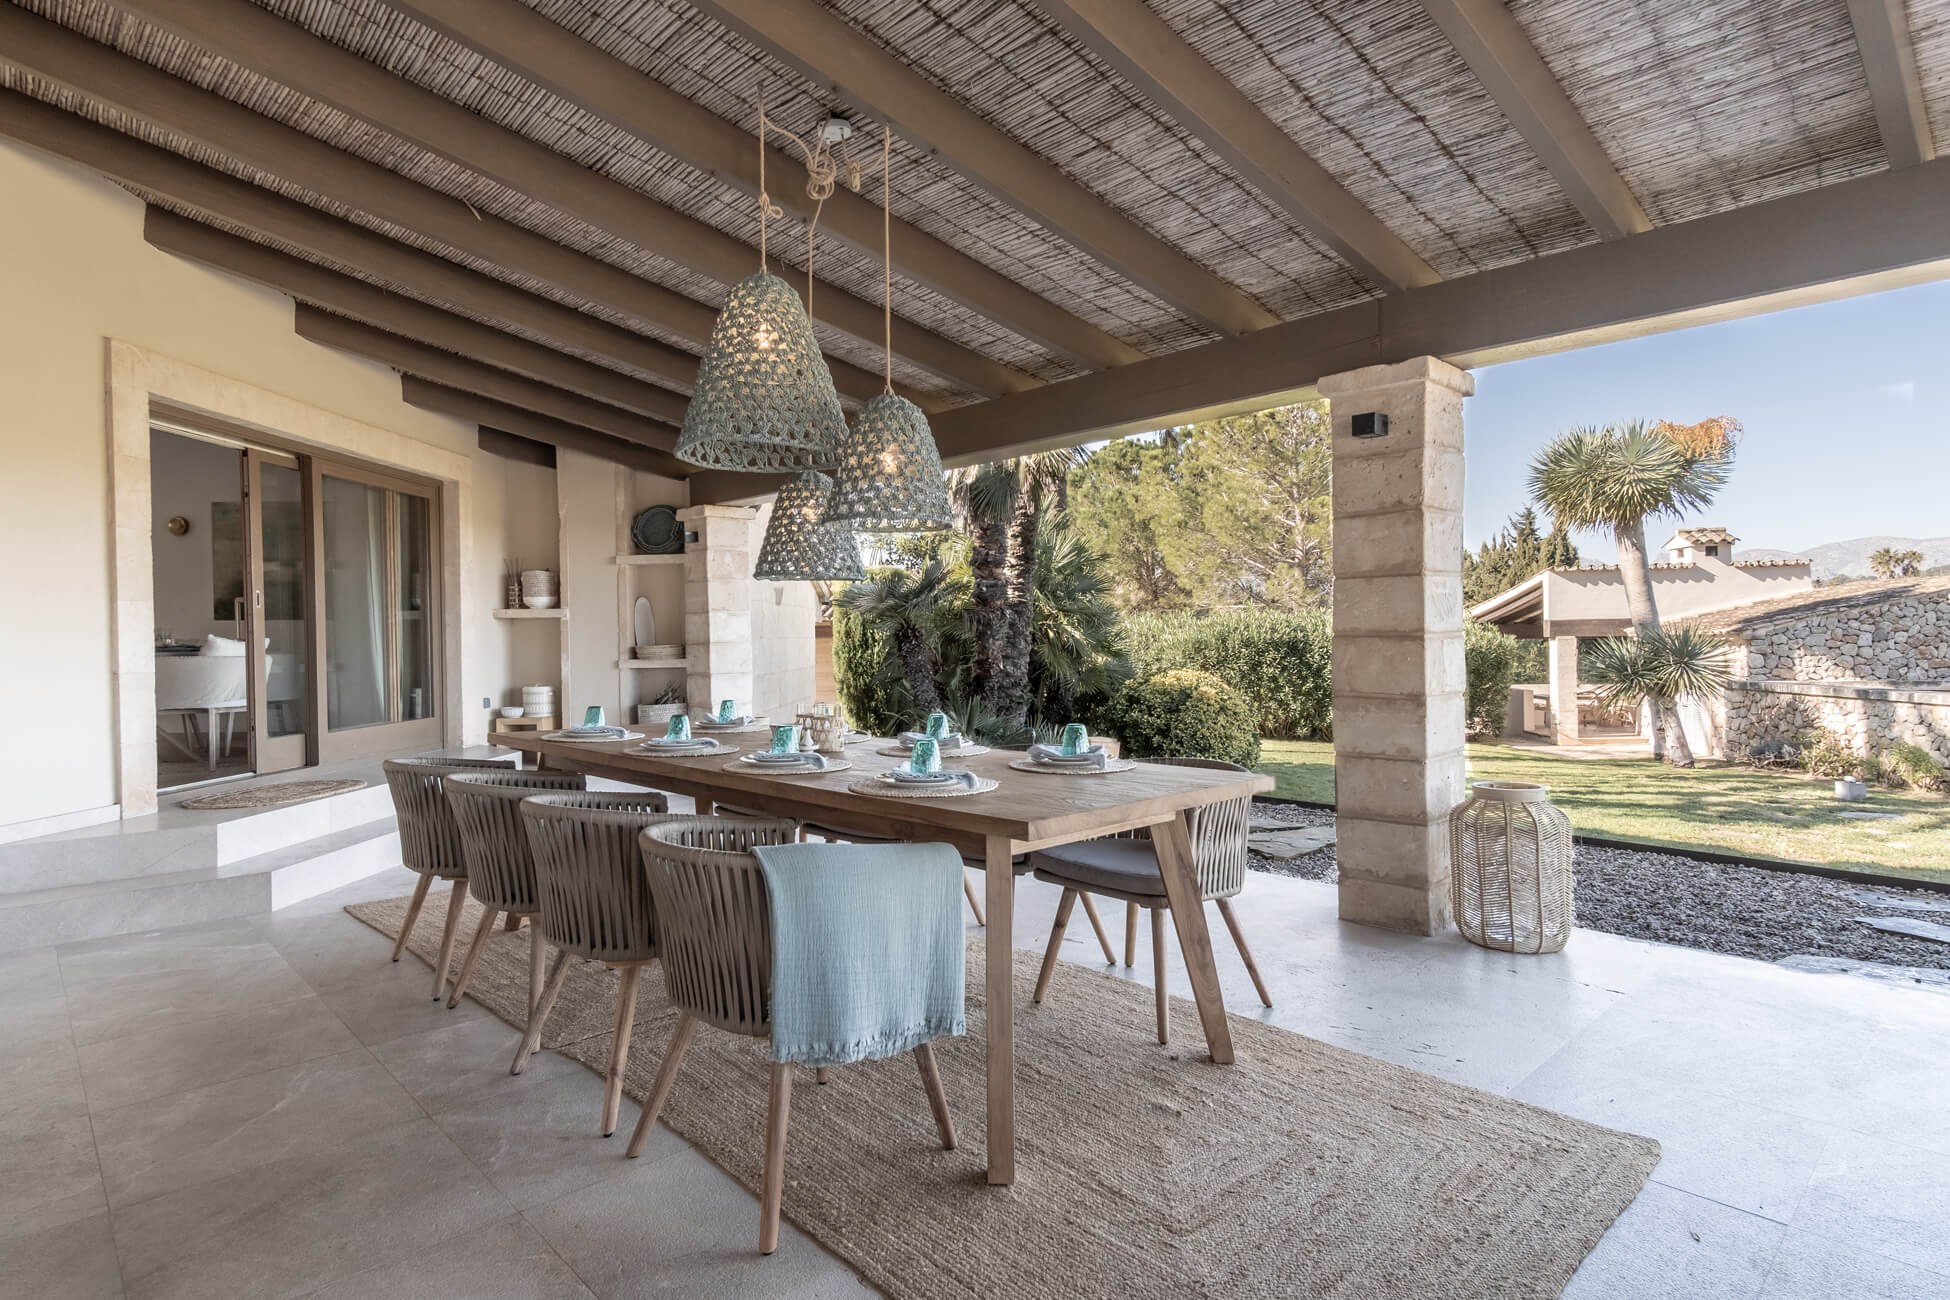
887, 250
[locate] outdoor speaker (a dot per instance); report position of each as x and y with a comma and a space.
1371, 424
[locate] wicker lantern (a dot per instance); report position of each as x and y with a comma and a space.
1510, 868
888, 475
764, 398
800, 544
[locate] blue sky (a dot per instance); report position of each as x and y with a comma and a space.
1846, 407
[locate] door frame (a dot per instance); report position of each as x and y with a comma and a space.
275, 753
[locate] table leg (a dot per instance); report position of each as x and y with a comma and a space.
1000, 961
211, 722
1172, 841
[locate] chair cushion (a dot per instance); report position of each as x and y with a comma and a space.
1119, 866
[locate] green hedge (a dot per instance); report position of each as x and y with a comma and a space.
1492, 662
1281, 663
1184, 713
871, 702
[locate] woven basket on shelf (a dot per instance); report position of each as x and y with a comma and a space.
1510, 868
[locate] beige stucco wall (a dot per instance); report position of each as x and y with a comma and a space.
77, 274
1578, 594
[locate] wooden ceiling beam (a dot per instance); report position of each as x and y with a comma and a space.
1149, 54
45, 48
827, 50
1499, 52
1874, 232
1889, 58
522, 423
259, 40
413, 357
130, 161
323, 287
527, 43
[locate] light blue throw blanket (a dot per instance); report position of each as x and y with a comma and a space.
867, 949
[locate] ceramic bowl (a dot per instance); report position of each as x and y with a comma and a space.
538, 602
510, 710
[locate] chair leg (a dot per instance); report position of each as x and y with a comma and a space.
821, 1075
974, 900
1158, 973
532, 1039
1097, 924
456, 900
1245, 953
474, 946
619, 1049
1063, 910
537, 962
1130, 933
937, 1099
412, 914
778, 1118
680, 1042
514, 921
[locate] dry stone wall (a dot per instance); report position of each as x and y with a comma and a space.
1869, 716
1905, 639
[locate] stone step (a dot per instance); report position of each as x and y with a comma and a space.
252, 886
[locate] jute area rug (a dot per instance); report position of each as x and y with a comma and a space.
1302, 1171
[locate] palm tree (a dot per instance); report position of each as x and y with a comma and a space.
902, 603
1077, 648
1888, 562
1667, 665
984, 497
1614, 479
1041, 487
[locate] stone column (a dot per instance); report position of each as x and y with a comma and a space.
718, 605
1564, 689
1398, 645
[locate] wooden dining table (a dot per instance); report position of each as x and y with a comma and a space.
1027, 811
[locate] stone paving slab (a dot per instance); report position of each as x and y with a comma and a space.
1909, 925
1293, 843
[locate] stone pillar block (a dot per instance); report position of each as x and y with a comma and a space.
1564, 688
717, 604
1398, 650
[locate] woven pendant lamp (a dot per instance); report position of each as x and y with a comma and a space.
888, 476
764, 398
799, 544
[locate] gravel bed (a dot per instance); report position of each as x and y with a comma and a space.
1743, 911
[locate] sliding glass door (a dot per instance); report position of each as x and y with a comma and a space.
277, 644
376, 542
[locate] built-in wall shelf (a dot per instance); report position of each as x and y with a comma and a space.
651, 559
637, 665
530, 613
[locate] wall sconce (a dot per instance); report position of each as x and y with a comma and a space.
1371, 424
178, 525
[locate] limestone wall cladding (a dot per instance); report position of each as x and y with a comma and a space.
1903, 639
1870, 716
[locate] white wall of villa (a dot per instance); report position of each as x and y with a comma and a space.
1577, 596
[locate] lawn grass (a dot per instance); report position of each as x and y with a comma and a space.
1715, 806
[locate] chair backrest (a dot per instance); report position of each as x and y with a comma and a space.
1218, 833
716, 916
595, 902
429, 840
487, 808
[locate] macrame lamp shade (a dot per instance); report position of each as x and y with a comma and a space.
764, 398
888, 475
799, 544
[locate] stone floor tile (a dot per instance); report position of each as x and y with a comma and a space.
1891, 1198
328, 950
51, 1176
293, 1225
173, 1142
443, 1067
71, 1261
155, 952
1670, 1243
40, 1079
681, 1226
1810, 1267
394, 1001
505, 1260
162, 1000
156, 1062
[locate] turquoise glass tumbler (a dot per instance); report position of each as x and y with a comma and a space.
727, 710
593, 716
1076, 738
785, 739
937, 725
925, 758
679, 728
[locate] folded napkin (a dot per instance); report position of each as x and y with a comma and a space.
867, 950
744, 721
804, 758
953, 740
665, 742
904, 777
592, 731
1092, 757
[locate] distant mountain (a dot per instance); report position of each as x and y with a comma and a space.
1850, 559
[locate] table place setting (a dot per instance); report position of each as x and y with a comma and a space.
922, 777
785, 758
593, 729
1074, 755
728, 719
950, 744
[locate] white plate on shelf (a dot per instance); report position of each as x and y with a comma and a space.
642, 622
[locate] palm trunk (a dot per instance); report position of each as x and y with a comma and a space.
1009, 694
911, 644
1635, 572
989, 611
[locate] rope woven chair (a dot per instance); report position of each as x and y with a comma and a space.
716, 918
500, 869
429, 842
595, 906
1125, 866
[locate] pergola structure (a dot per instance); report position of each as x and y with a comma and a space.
1108, 216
